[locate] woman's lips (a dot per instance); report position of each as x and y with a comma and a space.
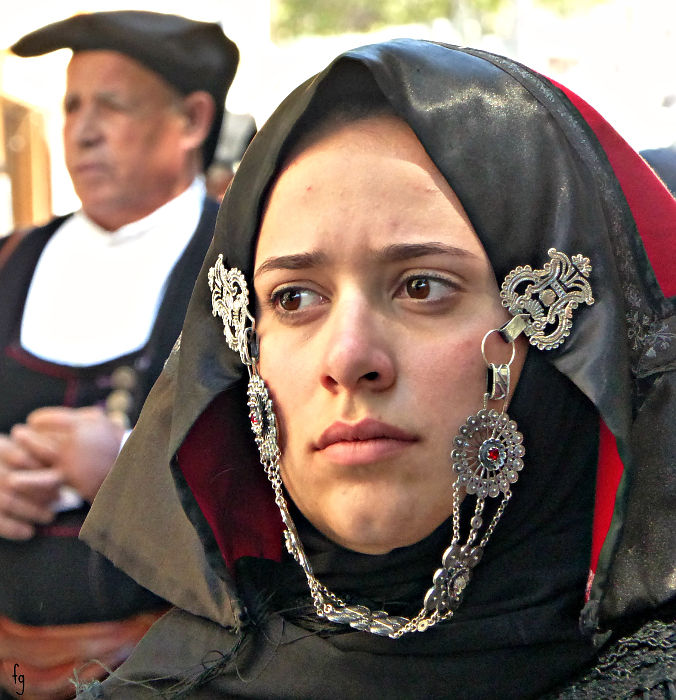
362, 443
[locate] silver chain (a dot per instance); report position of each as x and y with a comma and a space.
475, 475
449, 581
326, 603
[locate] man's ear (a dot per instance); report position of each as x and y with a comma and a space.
199, 109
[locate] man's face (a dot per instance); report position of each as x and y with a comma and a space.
124, 138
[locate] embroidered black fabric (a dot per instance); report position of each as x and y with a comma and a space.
639, 665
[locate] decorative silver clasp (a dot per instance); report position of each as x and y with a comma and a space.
542, 301
497, 375
230, 301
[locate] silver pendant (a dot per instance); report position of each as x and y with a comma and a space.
488, 454
453, 578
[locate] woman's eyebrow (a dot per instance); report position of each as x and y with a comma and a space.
297, 261
404, 251
391, 253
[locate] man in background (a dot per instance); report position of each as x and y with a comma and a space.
91, 306
239, 130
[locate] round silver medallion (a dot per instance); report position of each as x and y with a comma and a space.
487, 454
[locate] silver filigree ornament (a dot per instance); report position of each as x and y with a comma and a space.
230, 301
545, 299
262, 419
487, 454
488, 450
451, 580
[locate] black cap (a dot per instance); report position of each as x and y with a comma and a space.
188, 54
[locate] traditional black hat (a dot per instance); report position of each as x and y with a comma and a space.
188, 54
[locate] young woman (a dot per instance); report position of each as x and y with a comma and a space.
412, 222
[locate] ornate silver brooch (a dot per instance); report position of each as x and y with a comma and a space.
544, 300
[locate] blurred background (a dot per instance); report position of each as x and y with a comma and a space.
620, 55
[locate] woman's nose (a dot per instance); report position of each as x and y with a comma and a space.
359, 353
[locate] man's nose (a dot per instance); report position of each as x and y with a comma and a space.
85, 126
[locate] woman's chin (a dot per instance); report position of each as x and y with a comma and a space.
369, 536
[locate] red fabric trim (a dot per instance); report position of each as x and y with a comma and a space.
221, 467
654, 211
608, 475
651, 203
35, 364
59, 531
50, 369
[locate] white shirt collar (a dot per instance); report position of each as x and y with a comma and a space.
190, 199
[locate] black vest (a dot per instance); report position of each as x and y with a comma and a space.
54, 578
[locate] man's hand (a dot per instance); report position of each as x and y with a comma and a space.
85, 443
56, 446
28, 484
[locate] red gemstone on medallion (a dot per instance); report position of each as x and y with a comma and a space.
493, 453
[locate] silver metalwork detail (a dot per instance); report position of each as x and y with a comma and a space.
230, 301
262, 417
487, 454
548, 296
514, 328
453, 578
497, 384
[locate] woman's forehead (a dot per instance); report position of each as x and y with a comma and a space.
382, 152
381, 133
368, 183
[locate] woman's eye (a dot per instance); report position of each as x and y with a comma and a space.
295, 299
424, 287
418, 288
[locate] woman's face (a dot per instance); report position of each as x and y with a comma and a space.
373, 295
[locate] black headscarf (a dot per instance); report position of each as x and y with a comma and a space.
531, 174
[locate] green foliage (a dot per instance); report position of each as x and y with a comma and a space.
298, 17
564, 7
293, 18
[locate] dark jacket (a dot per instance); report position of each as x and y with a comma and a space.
78, 585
